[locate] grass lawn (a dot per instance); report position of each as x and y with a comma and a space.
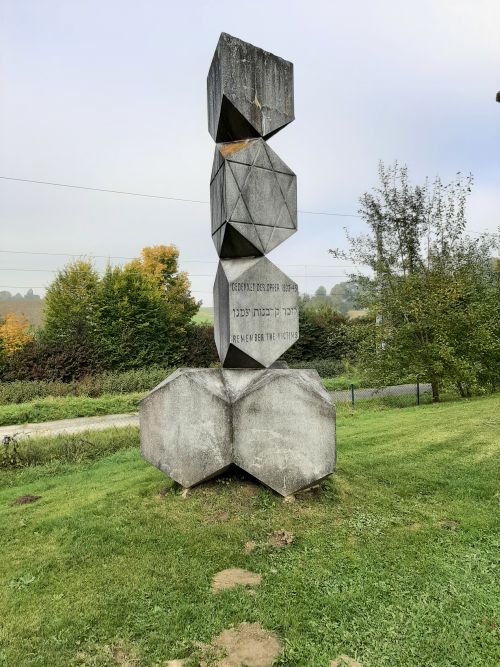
393, 562
342, 382
67, 407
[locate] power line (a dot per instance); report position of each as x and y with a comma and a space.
194, 275
197, 291
92, 189
185, 261
170, 198
150, 196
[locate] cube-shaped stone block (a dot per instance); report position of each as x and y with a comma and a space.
284, 429
253, 197
185, 426
256, 312
250, 91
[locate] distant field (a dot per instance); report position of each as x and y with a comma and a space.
31, 310
205, 314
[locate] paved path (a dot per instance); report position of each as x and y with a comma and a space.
68, 426
81, 424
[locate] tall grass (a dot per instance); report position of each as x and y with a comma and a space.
126, 382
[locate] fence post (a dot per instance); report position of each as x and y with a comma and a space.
352, 395
418, 390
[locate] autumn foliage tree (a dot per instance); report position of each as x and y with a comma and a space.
15, 333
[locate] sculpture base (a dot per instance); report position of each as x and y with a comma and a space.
278, 425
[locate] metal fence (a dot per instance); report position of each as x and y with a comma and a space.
403, 395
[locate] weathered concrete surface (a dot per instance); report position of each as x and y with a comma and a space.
253, 196
185, 426
283, 427
249, 91
278, 425
256, 312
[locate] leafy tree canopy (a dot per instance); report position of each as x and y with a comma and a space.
433, 291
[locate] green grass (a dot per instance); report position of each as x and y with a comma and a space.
342, 382
48, 409
103, 564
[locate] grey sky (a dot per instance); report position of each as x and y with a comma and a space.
112, 94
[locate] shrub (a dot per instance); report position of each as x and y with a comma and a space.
323, 334
327, 368
43, 359
201, 351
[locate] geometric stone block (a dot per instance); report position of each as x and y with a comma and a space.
253, 197
256, 312
284, 429
250, 91
185, 426
278, 425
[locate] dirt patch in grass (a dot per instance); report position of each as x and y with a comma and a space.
248, 644
234, 577
250, 546
219, 517
26, 500
123, 658
448, 525
414, 527
281, 538
345, 661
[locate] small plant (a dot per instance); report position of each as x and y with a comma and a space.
9, 453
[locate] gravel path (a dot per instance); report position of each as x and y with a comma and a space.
68, 426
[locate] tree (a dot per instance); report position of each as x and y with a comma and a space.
160, 265
321, 291
343, 297
70, 305
14, 334
433, 292
133, 316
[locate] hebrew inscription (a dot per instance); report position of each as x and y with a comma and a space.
257, 312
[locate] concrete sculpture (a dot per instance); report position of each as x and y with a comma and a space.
277, 424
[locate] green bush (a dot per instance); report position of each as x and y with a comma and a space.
200, 346
326, 368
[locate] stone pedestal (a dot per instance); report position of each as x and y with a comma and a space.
278, 425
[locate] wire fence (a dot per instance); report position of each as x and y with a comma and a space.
403, 395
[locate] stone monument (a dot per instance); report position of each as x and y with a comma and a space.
278, 424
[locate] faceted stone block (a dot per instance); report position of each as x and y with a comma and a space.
256, 312
253, 197
185, 425
278, 425
283, 428
250, 91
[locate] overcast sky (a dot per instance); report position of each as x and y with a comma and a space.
112, 94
